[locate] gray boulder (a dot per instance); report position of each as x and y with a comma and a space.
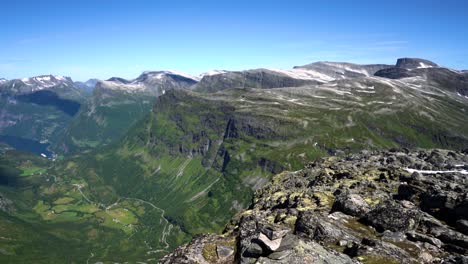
351, 204
392, 216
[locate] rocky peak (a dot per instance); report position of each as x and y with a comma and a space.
150, 82
54, 83
91, 82
87, 86
414, 63
397, 206
211, 73
47, 80
447, 79
118, 80
160, 75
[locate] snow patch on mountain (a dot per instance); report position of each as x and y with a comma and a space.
161, 74
46, 81
304, 74
436, 171
422, 65
346, 67
131, 87
211, 73
150, 81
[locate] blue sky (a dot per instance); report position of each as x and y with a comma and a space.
105, 38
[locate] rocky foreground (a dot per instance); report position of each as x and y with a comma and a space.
373, 207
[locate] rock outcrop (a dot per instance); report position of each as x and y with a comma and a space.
414, 63
448, 79
6, 204
373, 207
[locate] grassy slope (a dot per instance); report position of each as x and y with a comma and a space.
53, 222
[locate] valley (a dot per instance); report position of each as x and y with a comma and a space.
146, 164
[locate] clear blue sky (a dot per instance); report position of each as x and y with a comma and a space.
104, 38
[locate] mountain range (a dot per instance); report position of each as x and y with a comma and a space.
145, 164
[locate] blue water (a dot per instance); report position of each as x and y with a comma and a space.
27, 145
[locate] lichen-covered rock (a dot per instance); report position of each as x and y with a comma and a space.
398, 206
224, 252
352, 204
393, 216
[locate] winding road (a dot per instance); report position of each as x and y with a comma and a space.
167, 227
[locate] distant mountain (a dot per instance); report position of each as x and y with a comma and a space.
115, 105
210, 73
257, 78
2, 80
314, 73
87, 86
340, 70
415, 63
37, 109
452, 80
151, 82
62, 86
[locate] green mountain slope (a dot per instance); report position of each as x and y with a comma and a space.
199, 157
115, 106
54, 217
106, 116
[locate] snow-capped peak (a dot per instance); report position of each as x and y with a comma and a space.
211, 73
114, 85
45, 81
149, 81
161, 74
46, 78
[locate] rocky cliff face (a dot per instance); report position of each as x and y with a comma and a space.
373, 207
414, 63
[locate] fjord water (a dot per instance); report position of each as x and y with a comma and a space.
25, 144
